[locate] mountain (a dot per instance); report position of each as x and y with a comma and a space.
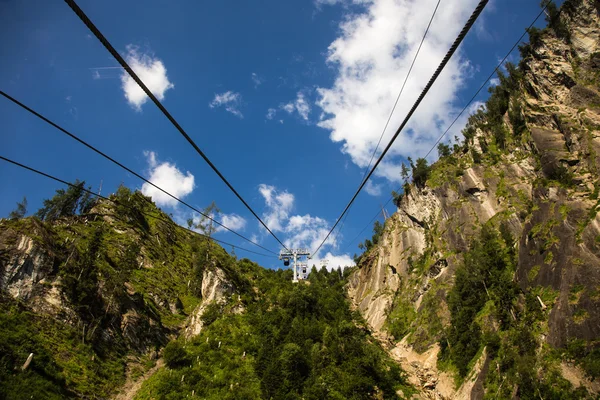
114, 300
484, 284
486, 281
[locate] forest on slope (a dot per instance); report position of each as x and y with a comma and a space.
99, 291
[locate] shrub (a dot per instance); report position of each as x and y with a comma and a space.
175, 355
420, 172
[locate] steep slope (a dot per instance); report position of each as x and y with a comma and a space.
119, 302
95, 296
524, 184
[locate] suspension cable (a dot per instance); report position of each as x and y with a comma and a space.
131, 208
89, 146
485, 82
392, 111
90, 25
436, 74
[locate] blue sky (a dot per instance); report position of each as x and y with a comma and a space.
287, 98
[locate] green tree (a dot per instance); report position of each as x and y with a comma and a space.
485, 275
397, 198
175, 355
79, 277
420, 172
377, 232
207, 225
20, 211
87, 201
64, 203
404, 173
443, 150
555, 22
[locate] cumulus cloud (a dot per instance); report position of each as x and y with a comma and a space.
271, 112
306, 231
230, 100
300, 231
373, 189
168, 177
368, 78
300, 105
279, 205
333, 261
232, 221
289, 107
257, 80
151, 71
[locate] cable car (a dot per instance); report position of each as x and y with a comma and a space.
286, 261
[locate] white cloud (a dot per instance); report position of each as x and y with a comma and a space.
494, 82
299, 105
307, 231
279, 205
333, 261
257, 80
95, 74
371, 57
271, 113
289, 107
300, 231
168, 177
373, 189
150, 70
231, 101
302, 106
232, 221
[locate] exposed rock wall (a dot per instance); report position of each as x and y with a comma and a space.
557, 229
216, 288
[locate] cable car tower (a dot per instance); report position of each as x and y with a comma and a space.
295, 256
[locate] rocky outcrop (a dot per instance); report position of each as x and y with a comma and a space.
27, 265
216, 288
556, 226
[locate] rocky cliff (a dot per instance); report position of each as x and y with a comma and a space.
529, 168
100, 294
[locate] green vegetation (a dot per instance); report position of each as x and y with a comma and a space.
399, 320
485, 275
484, 291
62, 365
586, 355
20, 211
443, 150
420, 172
293, 341
66, 203
129, 278
368, 244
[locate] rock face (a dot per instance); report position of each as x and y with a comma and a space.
105, 290
26, 267
557, 228
216, 288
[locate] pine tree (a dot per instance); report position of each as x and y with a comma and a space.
443, 150
420, 172
404, 172
206, 224
64, 203
20, 211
